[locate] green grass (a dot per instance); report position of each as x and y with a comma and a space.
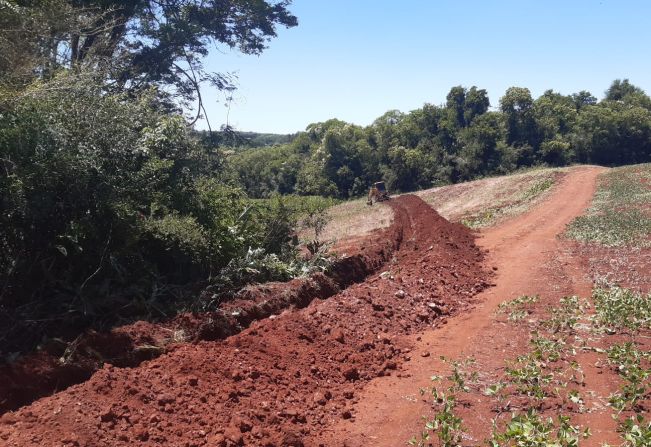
620, 213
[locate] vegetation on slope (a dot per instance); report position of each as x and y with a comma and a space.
111, 207
620, 213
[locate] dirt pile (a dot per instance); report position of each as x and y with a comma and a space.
285, 378
59, 365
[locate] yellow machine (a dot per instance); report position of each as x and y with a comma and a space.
377, 193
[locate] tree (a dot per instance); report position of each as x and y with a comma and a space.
627, 93
455, 102
140, 43
478, 154
466, 104
517, 106
619, 89
555, 116
477, 103
582, 99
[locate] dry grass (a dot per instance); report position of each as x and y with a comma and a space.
483, 203
354, 219
478, 204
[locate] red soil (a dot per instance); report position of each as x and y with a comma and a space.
285, 379
530, 260
59, 365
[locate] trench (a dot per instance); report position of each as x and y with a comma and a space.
44, 372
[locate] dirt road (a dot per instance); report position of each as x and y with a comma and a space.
530, 260
341, 371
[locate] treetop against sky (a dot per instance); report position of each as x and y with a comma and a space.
355, 60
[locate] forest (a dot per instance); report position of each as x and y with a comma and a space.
114, 207
461, 140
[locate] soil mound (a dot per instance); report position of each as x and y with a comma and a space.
284, 378
59, 364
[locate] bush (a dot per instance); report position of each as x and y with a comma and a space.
112, 210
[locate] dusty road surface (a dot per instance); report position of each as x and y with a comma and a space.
340, 371
530, 259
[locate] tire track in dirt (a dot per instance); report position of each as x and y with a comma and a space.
530, 259
285, 379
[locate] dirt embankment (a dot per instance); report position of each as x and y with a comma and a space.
285, 379
59, 365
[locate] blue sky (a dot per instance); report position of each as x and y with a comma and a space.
356, 59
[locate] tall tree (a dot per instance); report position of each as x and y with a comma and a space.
140, 43
477, 103
517, 106
619, 89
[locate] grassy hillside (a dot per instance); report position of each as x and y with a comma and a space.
477, 204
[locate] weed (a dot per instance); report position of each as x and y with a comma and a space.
537, 189
617, 215
566, 316
495, 389
519, 301
460, 377
547, 349
529, 376
636, 432
628, 361
446, 424
531, 430
618, 308
516, 307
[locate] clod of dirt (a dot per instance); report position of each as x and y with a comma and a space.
338, 335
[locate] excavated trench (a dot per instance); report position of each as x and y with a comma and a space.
285, 378
58, 366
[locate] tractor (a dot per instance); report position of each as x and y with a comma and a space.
378, 193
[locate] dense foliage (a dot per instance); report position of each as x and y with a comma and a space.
111, 206
458, 141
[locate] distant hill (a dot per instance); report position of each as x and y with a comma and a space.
250, 139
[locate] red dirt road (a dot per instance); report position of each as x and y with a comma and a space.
285, 379
530, 259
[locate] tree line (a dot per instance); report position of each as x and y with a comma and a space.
458, 141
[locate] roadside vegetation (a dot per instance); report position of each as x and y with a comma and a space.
542, 392
620, 213
112, 207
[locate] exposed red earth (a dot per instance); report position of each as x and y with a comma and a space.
288, 378
346, 370
530, 259
58, 365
